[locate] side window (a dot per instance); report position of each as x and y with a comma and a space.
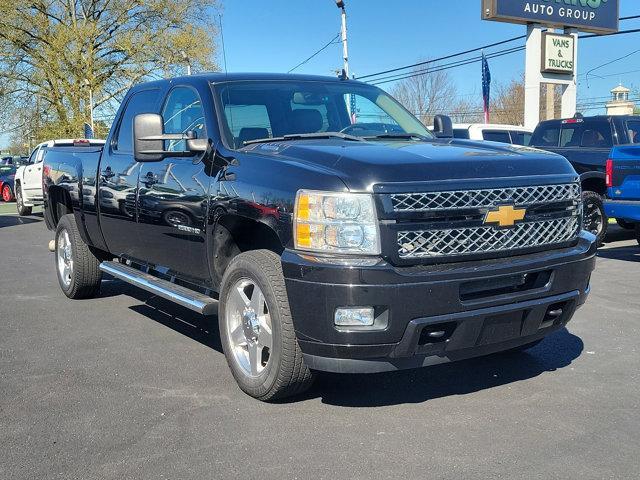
597, 135
183, 112
546, 136
571, 135
34, 155
500, 136
461, 133
367, 112
520, 138
633, 126
140, 102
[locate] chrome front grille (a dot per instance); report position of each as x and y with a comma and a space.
484, 198
485, 240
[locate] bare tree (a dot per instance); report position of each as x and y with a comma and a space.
426, 94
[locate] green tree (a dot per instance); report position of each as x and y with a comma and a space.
53, 53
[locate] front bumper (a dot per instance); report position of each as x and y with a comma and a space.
624, 210
481, 306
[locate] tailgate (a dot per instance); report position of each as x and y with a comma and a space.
625, 173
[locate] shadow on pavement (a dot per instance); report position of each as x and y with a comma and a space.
13, 220
628, 254
461, 378
197, 327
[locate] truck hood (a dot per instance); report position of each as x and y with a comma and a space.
363, 164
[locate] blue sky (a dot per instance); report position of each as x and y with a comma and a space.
387, 34
275, 35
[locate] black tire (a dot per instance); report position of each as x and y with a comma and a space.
85, 275
594, 217
22, 210
285, 374
626, 225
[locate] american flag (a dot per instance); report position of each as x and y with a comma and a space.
486, 87
88, 131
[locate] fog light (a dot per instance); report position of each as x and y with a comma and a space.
354, 317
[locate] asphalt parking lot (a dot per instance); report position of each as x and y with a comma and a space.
129, 386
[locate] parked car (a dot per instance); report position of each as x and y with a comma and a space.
493, 133
326, 250
623, 187
12, 160
7, 178
586, 142
28, 177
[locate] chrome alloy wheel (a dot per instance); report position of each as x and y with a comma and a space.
65, 258
248, 325
593, 218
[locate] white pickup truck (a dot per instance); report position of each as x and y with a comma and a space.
28, 180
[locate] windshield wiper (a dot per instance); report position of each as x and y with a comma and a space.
306, 136
401, 136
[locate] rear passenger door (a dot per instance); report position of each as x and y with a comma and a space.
118, 178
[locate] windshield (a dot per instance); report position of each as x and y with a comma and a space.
255, 110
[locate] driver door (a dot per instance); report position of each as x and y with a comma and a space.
173, 193
32, 180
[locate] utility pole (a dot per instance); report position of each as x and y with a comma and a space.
345, 49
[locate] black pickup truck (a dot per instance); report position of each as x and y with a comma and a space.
587, 142
323, 223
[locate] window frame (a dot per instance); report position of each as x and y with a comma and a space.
165, 100
113, 141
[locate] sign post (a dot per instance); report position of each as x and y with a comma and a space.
552, 58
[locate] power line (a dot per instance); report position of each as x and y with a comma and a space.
331, 42
393, 70
443, 58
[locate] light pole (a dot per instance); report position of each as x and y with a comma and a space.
185, 57
88, 85
345, 50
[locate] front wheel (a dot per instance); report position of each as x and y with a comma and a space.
22, 210
594, 218
256, 328
77, 267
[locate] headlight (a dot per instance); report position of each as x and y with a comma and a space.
336, 223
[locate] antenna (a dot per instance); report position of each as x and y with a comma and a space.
224, 50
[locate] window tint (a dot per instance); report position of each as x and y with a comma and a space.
633, 126
140, 102
546, 136
501, 136
520, 138
182, 113
461, 133
571, 135
596, 135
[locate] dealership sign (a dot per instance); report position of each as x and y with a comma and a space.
598, 16
558, 53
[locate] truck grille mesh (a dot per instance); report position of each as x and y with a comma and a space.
483, 240
485, 198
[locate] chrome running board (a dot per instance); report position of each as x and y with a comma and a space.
190, 299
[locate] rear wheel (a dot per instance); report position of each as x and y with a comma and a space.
22, 210
257, 331
78, 269
7, 194
594, 218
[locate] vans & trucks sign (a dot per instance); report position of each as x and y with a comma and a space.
597, 16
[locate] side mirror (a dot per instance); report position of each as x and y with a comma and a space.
442, 126
149, 138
